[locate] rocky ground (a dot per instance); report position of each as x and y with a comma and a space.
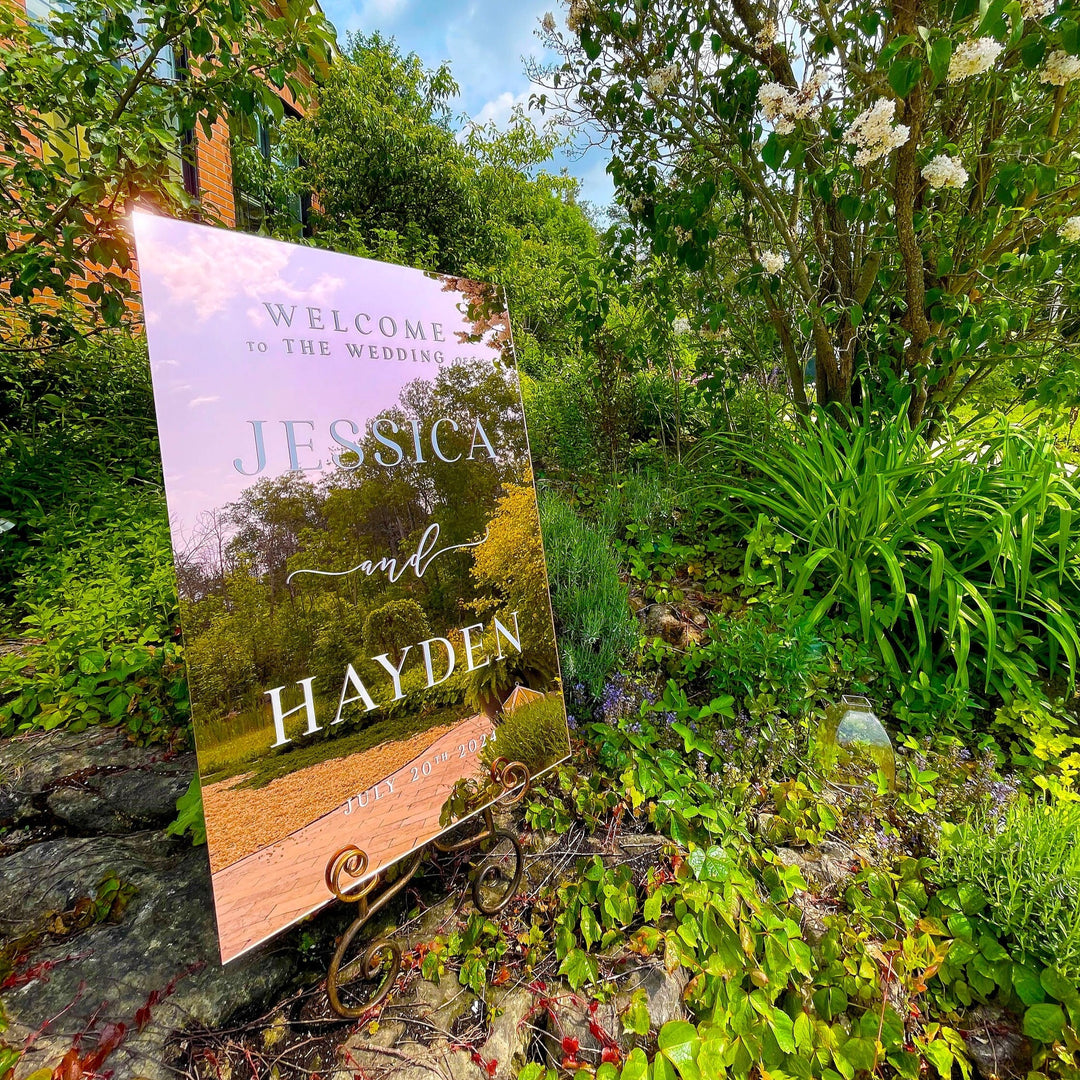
109, 954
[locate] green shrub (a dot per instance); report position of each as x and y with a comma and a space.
592, 609
766, 665
99, 640
395, 626
534, 734
960, 557
1028, 866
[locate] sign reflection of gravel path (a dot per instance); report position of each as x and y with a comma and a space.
243, 820
277, 886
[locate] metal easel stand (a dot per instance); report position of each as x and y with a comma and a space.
495, 883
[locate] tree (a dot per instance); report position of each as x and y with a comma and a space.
393, 627
898, 185
379, 153
93, 106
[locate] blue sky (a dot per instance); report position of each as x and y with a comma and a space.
484, 42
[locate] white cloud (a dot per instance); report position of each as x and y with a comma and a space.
502, 107
208, 400
215, 265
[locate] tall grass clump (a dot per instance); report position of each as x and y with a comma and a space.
960, 556
534, 734
592, 609
1028, 866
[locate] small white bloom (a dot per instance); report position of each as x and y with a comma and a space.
681, 325
775, 100
944, 171
784, 126
658, 82
973, 58
1070, 230
771, 262
767, 36
549, 22
1060, 68
579, 12
1036, 9
874, 132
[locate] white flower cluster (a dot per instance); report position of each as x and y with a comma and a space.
771, 262
783, 106
1036, 9
548, 22
874, 133
1060, 68
973, 58
1070, 230
767, 36
579, 12
944, 171
658, 82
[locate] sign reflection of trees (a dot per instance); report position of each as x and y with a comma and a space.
248, 626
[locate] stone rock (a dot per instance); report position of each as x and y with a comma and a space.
995, 1044
662, 620
165, 944
511, 1033
420, 1035
823, 867
575, 1017
120, 802
92, 781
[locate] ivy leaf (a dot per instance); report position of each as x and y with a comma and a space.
1027, 985
711, 864
579, 968
940, 1056
1059, 987
636, 1066
590, 928
636, 1018
654, 905
783, 1030
678, 1041
1044, 1022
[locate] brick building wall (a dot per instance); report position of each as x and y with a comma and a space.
213, 171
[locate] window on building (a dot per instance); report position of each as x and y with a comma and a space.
261, 169
170, 67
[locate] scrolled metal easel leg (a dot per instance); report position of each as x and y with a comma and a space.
495, 883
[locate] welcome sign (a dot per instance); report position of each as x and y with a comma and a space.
363, 593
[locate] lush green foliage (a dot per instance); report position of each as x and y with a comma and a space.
597, 630
1027, 865
92, 116
958, 556
733, 127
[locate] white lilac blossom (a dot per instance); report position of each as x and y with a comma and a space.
944, 171
658, 82
1036, 9
874, 132
681, 325
548, 22
973, 58
771, 262
783, 106
1060, 68
579, 12
1070, 230
767, 36
775, 100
